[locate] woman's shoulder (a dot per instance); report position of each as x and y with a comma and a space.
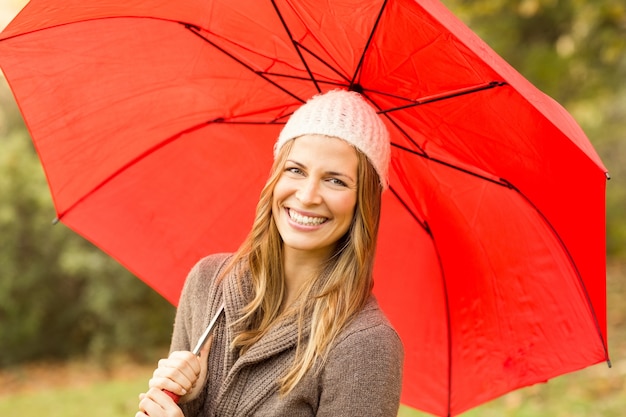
371, 326
203, 275
212, 262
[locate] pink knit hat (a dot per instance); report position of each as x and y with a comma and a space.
345, 115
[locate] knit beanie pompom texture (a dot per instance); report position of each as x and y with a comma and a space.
345, 115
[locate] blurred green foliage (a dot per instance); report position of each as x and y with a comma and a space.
61, 297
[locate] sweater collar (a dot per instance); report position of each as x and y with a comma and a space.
282, 335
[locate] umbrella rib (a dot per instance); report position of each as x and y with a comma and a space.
295, 45
196, 31
318, 81
357, 70
421, 152
428, 230
447, 95
126, 166
397, 126
421, 222
323, 61
572, 262
246, 122
444, 282
151, 151
449, 165
387, 94
427, 100
295, 77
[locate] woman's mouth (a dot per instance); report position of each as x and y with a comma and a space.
305, 220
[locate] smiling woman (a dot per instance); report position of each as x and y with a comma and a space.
302, 333
315, 197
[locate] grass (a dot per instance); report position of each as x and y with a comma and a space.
75, 389
594, 392
72, 389
79, 388
107, 399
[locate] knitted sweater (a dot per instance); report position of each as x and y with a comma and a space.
361, 377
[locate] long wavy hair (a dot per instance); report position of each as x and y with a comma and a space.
340, 291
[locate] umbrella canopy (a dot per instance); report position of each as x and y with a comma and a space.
155, 123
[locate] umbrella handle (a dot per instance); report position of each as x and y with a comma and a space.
201, 342
173, 396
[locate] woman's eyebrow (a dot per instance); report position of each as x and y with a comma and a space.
331, 173
296, 162
340, 174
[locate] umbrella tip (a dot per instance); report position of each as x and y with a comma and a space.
55, 220
358, 88
608, 176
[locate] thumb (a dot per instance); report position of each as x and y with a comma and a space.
204, 351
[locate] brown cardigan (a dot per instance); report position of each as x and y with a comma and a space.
362, 376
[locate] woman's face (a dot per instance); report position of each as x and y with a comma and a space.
315, 197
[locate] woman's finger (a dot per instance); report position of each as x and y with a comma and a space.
177, 374
177, 363
155, 403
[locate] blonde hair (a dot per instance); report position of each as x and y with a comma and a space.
344, 284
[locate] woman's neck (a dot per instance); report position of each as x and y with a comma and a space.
300, 268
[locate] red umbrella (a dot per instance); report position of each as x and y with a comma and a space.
155, 123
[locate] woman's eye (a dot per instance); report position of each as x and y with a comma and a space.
337, 181
294, 170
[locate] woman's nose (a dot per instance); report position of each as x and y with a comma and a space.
309, 192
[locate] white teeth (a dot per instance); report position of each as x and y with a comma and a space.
306, 220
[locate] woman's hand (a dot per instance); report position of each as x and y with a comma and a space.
156, 403
178, 373
183, 374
